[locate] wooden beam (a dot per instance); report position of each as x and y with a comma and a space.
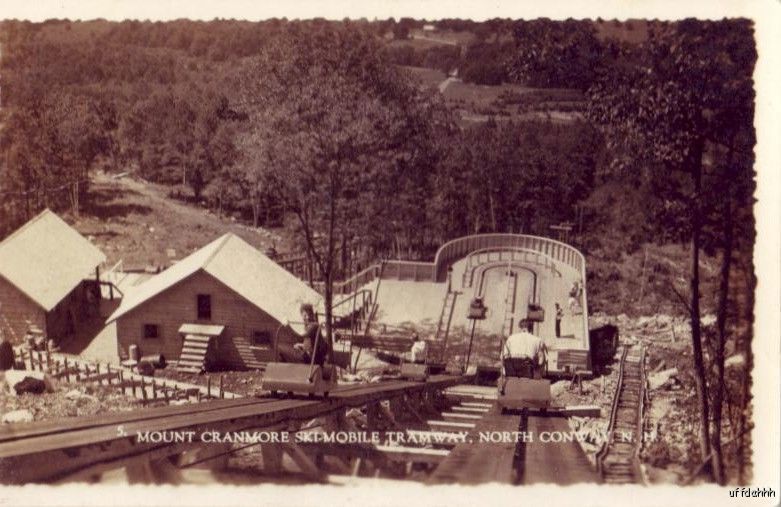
463, 417
571, 411
451, 424
472, 410
475, 404
306, 465
400, 453
26, 454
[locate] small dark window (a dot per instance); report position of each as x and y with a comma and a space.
261, 338
204, 306
150, 331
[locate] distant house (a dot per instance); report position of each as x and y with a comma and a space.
45, 268
222, 306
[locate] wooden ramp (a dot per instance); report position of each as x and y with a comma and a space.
197, 338
247, 354
476, 462
193, 357
560, 463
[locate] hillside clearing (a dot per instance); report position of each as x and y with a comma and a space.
136, 222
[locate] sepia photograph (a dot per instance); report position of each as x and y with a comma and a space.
355, 250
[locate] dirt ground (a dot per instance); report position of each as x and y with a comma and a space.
244, 383
136, 222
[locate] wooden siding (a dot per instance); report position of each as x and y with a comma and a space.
76, 304
18, 312
178, 305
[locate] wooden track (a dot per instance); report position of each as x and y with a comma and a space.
561, 463
477, 463
50, 451
618, 461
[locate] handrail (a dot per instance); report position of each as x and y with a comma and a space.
362, 278
500, 249
458, 248
365, 293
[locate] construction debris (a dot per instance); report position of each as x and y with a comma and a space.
30, 385
666, 378
24, 381
17, 416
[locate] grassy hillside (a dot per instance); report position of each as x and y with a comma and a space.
134, 221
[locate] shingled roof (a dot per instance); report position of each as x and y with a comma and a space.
240, 267
46, 258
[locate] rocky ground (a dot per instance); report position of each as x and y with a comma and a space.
61, 400
671, 417
244, 383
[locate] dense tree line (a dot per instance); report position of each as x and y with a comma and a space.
680, 107
144, 97
311, 120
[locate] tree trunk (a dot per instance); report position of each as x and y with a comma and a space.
745, 392
74, 198
492, 208
696, 330
721, 323
329, 268
344, 257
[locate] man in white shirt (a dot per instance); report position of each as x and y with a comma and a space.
419, 350
523, 347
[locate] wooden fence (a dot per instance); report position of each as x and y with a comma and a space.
148, 390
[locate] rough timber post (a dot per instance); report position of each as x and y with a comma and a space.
149, 471
373, 415
272, 458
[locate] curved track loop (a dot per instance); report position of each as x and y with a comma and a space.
618, 461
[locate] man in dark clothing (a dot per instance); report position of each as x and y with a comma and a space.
559, 315
312, 342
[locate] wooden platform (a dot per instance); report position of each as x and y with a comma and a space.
560, 463
54, 450
474, 462
473, 392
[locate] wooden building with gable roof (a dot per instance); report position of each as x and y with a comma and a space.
222, 306
48, 279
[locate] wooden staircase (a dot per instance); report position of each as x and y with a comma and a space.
193, 356
247, 355
445, 317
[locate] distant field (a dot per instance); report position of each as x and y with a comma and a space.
418, 44
448, 37
429, 77
484, 96
480, 95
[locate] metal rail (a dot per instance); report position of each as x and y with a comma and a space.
618, 460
